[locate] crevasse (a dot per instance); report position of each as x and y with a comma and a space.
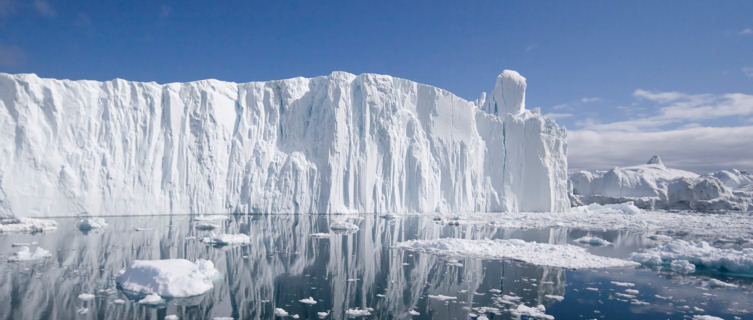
336, 143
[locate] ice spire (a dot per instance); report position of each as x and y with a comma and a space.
509, 94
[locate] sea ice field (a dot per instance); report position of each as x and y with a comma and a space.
592, 262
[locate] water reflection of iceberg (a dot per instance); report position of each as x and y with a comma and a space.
281, 265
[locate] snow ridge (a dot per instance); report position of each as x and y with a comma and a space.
336, 143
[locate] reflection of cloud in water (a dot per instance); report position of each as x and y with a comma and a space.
281, 265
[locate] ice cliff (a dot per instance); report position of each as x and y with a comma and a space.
337, 143
654, 186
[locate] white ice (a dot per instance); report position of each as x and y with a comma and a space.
554, 255
224, 239
592, 240
538, 312
86, 297
152, 299
280, 312
358, 312
168, 278
700, 254
309, 301
337, 143
21, 224
342, 226
25, 254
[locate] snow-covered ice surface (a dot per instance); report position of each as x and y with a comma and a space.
173, 278
654, 186
22, 224
224, 239
542, 254
337, 143
283, 265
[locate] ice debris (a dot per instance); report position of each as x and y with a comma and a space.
554, 255
700, 254
25, 254
91, 223
22, 224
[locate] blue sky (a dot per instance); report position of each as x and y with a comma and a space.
628, 79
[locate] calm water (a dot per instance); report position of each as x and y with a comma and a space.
284, 264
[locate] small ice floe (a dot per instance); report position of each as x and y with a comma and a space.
295, 316
414, 313
21, 224
86, 297
592, 289
343, 226
309, 301
118, 301
225, 239
206, 226
152, 299
223, 318
23, 244
171, 278
322, 314
625, 295
543, 254
632, 291
91, 223
319, 235
357, 312
441, 297
622, 284
144, 229
82, 310
716, 283
25, 254
593, 241
660, 237
701, 254
280, 312
554, 297
495, 291
388, 216
172, 317
706, 317
538, 312
682, 266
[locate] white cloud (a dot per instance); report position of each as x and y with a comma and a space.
44, 8
554, 115
589, 99
11, 56
748, 71
699, 148
746, 32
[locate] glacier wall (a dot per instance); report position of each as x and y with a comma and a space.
337, 143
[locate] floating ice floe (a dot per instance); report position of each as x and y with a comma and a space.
563, 256
309, 301
342, 226
152, 299
554, 297
211, 218
538, 312
280, 312
682, 266
168, 278
25, 254
91, 223
206, 226
172, 317
414, 313
26, 225
225, 239
319, 235
700, 254
357, 312
706, 317
86, 297
716, 283
322, 314
441, 297
622, 284
592, 240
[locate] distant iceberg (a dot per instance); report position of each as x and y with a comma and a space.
654, 186
338, 143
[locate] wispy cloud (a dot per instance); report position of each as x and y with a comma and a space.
44, 8
748, 71
554, 115
679, 129
531, 47
11, 56
746, 32
589, 99
700, 149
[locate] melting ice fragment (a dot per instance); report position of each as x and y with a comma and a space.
168, 278
25, 254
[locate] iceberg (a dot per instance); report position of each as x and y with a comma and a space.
25, 254
172, 278
340, 143
654, 186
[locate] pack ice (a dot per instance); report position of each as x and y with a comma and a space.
654, 186
336, 143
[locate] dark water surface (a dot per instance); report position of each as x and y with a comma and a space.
284, 264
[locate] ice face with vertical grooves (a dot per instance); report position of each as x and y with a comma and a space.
337, 143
